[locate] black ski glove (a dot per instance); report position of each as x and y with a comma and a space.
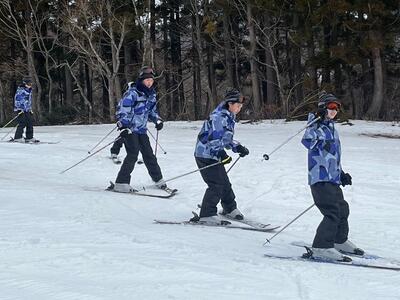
159, 124
125, 133
242, 150
345, 179
321, 112
120, 126
225, 158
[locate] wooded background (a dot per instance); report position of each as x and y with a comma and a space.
280, 54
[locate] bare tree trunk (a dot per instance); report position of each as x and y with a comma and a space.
166, 45
51, 84
357, 99
68, 89
2, 106
36, 97
87, 79
296, 66
377, 100
114, 87
211, 86
81, 91
311, 70
253, 64
211, 77
195, 72
128, 69
148, 58
326, 72
270, 75
228, 51
182, 108
173, 34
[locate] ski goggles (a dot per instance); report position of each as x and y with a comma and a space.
333, 106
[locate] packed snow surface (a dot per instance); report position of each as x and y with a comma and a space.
63, 237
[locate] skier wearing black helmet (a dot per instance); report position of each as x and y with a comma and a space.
325, 175
215, 136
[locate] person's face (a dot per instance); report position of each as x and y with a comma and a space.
28, 85
332, 109
148, 82
235, 107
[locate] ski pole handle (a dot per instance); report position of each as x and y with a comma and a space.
266, 156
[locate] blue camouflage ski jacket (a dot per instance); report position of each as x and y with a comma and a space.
323, 144
136, 108
216, 134
23, 99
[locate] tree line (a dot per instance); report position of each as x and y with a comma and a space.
82, 53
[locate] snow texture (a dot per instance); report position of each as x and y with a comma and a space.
62, 237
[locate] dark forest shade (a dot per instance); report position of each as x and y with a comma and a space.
279, 55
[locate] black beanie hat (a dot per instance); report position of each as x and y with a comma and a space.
233, 96
146, 72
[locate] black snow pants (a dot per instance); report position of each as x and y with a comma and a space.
219, 188
334, 227
116, 147
133, 144
24, 120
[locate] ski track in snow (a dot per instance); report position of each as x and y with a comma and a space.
63, 237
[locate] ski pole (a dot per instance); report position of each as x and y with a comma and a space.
102, 140
287, 225
180, 176
12, 119
12, 129
156, 140
87, 157
237, 159
155, 150
266, 156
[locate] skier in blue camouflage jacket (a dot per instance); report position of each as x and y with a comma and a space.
325, 176
215, 136
23, 106
135, 109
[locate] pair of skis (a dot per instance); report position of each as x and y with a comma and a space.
226, 222
292, 252
295, 250
31, 143
167, 192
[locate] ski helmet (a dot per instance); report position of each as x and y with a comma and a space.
325, 98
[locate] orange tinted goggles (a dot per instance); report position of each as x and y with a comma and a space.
333, 106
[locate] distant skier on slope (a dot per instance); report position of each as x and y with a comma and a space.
23, 106
325, 175
215, 136
137, 106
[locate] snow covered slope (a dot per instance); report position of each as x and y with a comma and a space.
62, 237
